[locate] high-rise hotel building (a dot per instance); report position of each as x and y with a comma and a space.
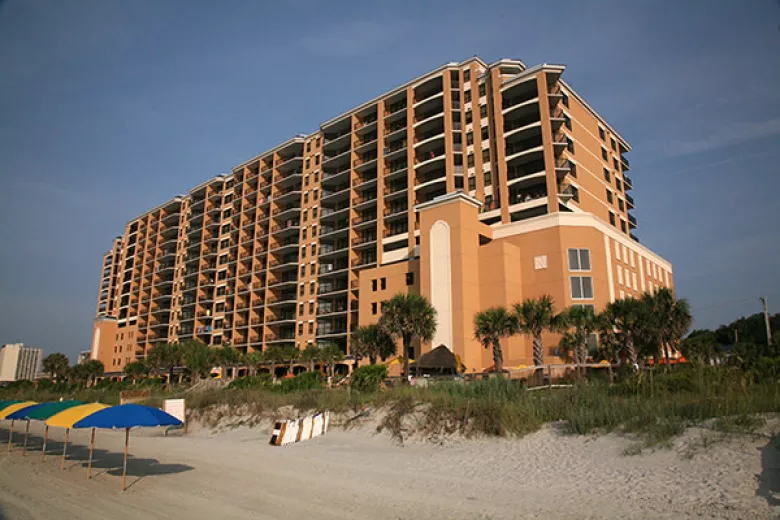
475, 185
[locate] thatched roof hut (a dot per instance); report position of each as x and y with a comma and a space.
439, 360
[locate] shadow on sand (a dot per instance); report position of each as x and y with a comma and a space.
103, 461
769, 479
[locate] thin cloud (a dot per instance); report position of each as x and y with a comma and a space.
725, 136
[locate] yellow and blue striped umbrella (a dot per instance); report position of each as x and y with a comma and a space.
66, 419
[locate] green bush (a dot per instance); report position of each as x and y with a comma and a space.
368, 378
252, 382
301, 382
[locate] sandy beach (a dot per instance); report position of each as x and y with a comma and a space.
357, 474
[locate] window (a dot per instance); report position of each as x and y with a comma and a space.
222, 275
468, 116
303, 271
482, 90
581, 287
611, 218
315, 194
621, 205
470, 160
317, 173
317, 159
303, 251
472, 183
301, 290
305, 198
300, 328
575, 193
488, 201
308, 146
311, 327
306, 179
620, 275
613, 143
579, 259
567, 121
383, 283
488, 179
314, 212
604, 154
305, 215
224, 243
609, 197
602, 135
618, 185
308, 163
470, 138
623, 225
373, 285
467, 96
570, 145
633, 280
313, 249
615, 164
607, 176
312, 287
466, 75
223, 259
374, 307
486, 155
482, 110
303, 234
221, 290
565, 99
573, 169
300, 309
409, 279
311, 307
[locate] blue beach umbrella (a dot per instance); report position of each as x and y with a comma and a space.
127, 416
40, 412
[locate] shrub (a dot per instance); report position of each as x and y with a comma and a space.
368, 378
301, 382
252, 382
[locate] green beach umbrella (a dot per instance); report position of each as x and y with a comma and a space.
40, 412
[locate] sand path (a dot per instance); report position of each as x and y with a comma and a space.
357, 475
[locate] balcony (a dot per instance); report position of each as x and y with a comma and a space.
395, 210
624, 163
629, 184
327, 231
337, 157
331, 289
629, 201
362, 162
632, 221
424, 162
395, 170
394, 189
366, 199
363, 220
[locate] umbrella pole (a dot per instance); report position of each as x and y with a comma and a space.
26, 433
11, 435
124, 465
45, 438
91, 447
64, 448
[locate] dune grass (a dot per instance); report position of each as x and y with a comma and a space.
654, 407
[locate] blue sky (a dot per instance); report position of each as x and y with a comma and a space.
108, 108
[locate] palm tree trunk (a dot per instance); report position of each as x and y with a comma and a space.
407, 345
631, 352
538, 350
498, 357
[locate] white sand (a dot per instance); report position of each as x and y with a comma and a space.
356, 475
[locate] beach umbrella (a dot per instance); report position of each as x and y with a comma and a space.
127, 416
8, 402
8, 410
40, 412
66, 419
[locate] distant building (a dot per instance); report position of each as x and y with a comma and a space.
84, 357
18, 362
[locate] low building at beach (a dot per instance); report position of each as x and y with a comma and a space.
475, 185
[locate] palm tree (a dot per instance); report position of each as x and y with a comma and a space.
372, 342
330, 355
621, 325
196, 358
584, 322
93, 369
490, 326
667, 320
310, 355
56, 365
252, 360
164, 357
136, 369
536, 315
225, 357
290, 354
408, 317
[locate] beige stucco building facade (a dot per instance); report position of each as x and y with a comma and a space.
475, 185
